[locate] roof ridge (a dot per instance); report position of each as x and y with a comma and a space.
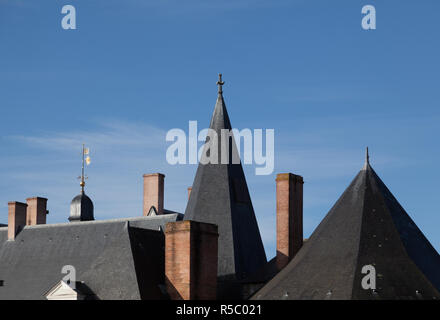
91, 222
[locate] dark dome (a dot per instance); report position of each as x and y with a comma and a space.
81, 208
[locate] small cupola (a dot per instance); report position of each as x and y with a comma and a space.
81, 207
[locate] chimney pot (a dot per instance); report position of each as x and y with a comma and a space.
289, 190
153, 192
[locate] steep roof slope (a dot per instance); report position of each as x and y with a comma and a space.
366, 226
220, 196
116, 259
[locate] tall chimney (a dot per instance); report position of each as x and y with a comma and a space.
153, 192
36, 211
191, 253
16, 218
289, 217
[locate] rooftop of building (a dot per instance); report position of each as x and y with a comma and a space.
366, 227
115, 259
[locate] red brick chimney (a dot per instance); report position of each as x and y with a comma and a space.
189, 192
153, 192
36, 211
289, 217
16, 218
191, 252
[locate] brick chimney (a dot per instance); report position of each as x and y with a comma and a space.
36, 211
289, 217
16, 218
153, 192
189, 192
191, 253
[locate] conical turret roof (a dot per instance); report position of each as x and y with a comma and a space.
220, 195
366, 227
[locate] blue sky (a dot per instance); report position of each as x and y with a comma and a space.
135, 69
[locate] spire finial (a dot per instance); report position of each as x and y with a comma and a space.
367, 160
367, 157
83, 177
220, 83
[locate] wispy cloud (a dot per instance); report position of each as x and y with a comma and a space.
121, 152
109, 133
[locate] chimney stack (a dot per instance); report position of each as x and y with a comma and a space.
153, 192
36, 211
16, 218
189, 192
289, 217
191, 253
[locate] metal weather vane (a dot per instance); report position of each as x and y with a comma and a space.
85, 161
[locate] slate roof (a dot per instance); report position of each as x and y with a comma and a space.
114, 259
220, 196
366, 226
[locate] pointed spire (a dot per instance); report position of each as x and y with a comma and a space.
367, 160
220, 84
227, 204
